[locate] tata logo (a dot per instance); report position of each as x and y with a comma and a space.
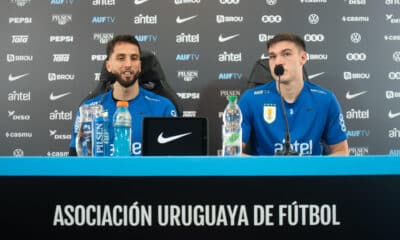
189, 113
189, 95
103, 2
230, 57
304, 148
18, 134
229, 1
19, 20
19, 38
179, 2
146, 38
229, 19
61, 19
61, 38
53, 134
103, 19
187, 38
19, 58
99, 57
313, 18
271, 19
61, 2
262, 37
15, 96
392, 94
351, 76
355, 19
392, 2
357, 114
394, 75
229, 76
18, 117
21, 3
394, 133
188, 75
228, 92
356, 2
314, 37
356, 57
145, 19
60, 115
60, 77
97, 76
187, 57
396, 56
358, 151
61, 57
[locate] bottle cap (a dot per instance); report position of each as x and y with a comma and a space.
231, 98
122, 104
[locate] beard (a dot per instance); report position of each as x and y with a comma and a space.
126, 83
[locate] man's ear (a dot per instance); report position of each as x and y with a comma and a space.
108, 66
303, 57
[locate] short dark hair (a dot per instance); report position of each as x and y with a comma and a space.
287, 36
121, 38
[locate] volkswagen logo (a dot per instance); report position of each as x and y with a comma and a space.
313, 18
396, 56
271, 2
356, 56
355, 37
18, 152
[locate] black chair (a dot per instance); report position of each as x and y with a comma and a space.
152, 78
261, 74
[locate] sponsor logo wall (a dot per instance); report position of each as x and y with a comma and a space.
52, 52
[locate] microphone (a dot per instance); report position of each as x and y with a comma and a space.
279, 70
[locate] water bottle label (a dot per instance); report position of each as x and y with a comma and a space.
98, 136
233, 138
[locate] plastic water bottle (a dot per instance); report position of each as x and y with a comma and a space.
232, 129
84, 138
122, 122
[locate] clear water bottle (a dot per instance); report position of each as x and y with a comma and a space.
84, 138
232, 129
122, 122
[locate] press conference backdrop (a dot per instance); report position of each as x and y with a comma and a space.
51, 54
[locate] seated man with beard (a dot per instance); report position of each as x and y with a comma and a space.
123, 60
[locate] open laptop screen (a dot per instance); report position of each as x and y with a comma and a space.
175, 136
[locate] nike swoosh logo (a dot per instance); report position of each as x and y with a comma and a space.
138, 2
12, 78
351, 96
393, 115
182, 20
56, 97
315, 75
162, 140
224, 39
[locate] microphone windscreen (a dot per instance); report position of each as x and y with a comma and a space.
278, 70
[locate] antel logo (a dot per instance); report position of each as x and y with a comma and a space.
230, 57
188, 38
145, 19
394, 133
60, 115
15, 96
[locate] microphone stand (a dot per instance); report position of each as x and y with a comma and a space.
287, 151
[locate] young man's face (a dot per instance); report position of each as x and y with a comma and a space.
292, 59
125, 63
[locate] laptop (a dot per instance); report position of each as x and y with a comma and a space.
174, 136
